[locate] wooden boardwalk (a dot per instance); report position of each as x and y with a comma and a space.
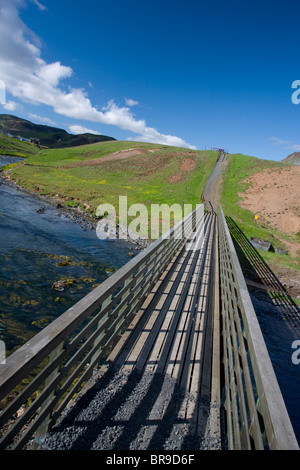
171, 334
180, 327
169, 348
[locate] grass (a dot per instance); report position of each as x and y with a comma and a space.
145, 179
239, 167
16, 148
65, 156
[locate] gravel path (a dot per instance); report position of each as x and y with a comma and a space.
132, 411
211, 187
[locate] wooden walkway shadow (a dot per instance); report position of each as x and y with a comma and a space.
252, 261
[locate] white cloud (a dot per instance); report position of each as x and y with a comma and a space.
39, 5
77, 129
41, 119
295, 147
131, 102
29, 78
11, 106
287, 144
53, 73
152, 136
277, 141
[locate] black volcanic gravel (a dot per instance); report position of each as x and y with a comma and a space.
114, 415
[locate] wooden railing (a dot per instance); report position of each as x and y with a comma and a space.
42, 376
256, 415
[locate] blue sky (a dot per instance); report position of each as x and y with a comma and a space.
197, 74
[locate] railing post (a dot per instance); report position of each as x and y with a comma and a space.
104, 304
43, 428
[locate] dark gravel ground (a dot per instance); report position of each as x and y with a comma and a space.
131, 411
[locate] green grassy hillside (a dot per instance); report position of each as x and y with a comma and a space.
16, 148
78, 178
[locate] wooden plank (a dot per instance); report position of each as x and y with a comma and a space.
174, 337
189, 370
151, 336
215, 418
175, 288
140, 335
144, 314
194, 353
196, 365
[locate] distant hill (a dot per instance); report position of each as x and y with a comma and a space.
16, 148
293, 158
49, 136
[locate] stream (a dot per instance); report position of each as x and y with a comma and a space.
39, 247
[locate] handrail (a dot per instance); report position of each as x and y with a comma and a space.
57, 361
256, 414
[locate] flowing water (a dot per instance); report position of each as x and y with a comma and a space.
40, 246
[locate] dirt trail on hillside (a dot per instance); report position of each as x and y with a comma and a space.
274, 195
120, 155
